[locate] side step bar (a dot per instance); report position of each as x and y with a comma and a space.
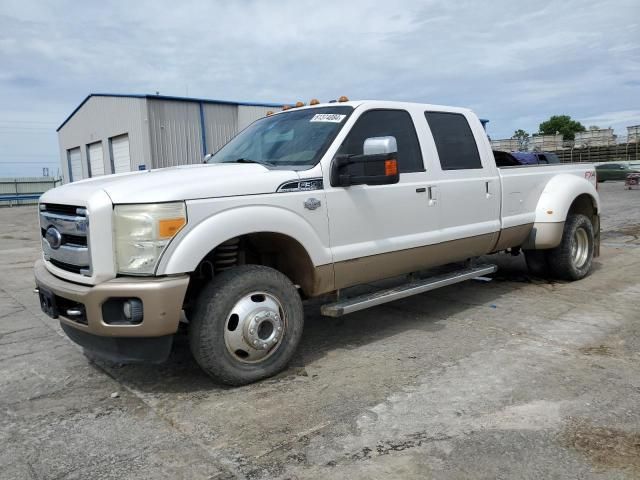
361, 302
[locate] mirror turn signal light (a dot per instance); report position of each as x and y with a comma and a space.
391, 167
343, 99
314, 101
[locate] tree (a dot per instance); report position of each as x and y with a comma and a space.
561, 124
523, 139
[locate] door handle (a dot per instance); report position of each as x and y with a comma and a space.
487, 189
421, 190
432, 195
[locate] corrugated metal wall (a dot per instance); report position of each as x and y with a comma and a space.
101, 118
162, 132
221, 125
175, 128
174, 132
249, 114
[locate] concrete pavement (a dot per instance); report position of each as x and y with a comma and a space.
513, 378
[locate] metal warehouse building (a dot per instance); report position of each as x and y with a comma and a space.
110, 133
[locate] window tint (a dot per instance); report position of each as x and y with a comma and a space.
454, 140
505, 159
383, 123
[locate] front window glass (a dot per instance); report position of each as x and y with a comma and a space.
296, 139
383, 123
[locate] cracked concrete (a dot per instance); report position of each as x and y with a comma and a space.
513, 378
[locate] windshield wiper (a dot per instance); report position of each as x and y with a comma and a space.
248, 160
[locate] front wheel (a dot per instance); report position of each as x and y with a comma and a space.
246, 324
572, 259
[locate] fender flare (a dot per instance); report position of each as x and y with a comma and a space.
553, 207
559, 194
192, 244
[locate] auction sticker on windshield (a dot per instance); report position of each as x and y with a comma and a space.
327, 117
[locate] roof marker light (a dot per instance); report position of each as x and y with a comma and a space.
314, 101
269, 113
286, 107
343, 99
299, 104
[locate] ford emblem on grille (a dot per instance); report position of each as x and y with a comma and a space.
53, 237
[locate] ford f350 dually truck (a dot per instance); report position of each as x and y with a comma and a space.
303, 203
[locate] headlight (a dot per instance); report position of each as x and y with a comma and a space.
142, 233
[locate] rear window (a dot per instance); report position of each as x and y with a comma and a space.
454, 140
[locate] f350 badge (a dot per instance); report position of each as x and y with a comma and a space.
312, 203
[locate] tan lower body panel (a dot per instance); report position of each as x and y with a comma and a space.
544, 235
385, 265
513, 237
161, 300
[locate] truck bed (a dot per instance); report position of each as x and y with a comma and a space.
523, 185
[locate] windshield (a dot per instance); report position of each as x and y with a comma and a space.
297, 138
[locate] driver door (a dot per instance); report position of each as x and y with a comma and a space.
373, 228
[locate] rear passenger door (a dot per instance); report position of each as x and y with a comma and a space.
469, 186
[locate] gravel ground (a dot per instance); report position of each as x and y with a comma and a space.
512, 378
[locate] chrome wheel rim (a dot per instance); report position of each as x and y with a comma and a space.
580, 248
255, 327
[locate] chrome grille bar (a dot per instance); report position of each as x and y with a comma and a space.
63, 229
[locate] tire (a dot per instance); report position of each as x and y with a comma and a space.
537, 263
572, 259
241, 306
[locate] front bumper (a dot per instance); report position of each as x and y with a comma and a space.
161, 297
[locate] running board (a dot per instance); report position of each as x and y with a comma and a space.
361, 302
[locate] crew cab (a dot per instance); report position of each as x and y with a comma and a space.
303, 203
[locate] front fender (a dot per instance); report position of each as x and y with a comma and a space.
193, 243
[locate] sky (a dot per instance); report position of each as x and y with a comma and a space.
515, 63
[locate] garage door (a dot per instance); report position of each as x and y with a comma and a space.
75, 164
120, 152
96, 159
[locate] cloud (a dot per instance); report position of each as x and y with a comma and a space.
515, 63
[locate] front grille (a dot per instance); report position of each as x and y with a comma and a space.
67, 266
74, 240
67, 245
69, 239
70, 210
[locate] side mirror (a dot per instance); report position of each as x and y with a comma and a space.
378, 165
380, 145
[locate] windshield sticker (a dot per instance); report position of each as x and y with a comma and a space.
327, 117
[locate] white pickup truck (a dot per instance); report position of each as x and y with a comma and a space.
303, 203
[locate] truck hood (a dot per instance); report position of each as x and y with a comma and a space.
185, 182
